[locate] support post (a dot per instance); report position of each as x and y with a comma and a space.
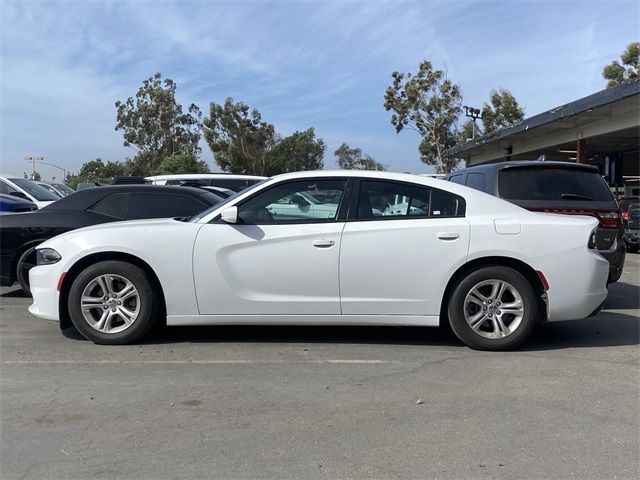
581, 151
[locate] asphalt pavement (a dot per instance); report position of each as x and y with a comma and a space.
315, 402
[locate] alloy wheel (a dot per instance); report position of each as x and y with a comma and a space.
494, 309
110, 303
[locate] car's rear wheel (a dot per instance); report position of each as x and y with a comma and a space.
493, 308
26, 262
113, 303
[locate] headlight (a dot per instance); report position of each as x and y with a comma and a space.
47, 256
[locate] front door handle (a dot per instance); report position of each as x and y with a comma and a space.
322, 243
448, 235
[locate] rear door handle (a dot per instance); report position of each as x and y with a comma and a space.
448, 235
322, 243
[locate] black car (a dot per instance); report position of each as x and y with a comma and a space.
632, 227
555, 187
21, 233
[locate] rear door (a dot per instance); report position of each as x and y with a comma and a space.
399, 248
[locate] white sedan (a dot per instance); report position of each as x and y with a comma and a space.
396, 249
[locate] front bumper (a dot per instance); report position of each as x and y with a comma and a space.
43, 281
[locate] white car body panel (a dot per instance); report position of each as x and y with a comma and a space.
40, 203
407, 275
379, 272
267, 269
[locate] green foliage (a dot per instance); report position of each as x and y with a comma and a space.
503, 112
428, 103
154, 124
348, 158
467, 131
617, 73
176, 164
239, 139
97, 171
297, 152
243, 143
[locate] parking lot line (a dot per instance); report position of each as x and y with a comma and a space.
186, 362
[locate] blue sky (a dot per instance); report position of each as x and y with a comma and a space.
324, 64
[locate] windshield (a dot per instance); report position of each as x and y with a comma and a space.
49, 188
204, 213
36, 191
64, 189
555, 184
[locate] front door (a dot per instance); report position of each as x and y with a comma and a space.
277, 260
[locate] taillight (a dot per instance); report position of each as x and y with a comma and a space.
612, 219
592, 240
625, 215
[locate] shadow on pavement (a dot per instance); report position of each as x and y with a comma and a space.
305, 334
605, 330
623, 296
16, 293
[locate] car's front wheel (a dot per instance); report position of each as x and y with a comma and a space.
493, 308
113, 303
26, 262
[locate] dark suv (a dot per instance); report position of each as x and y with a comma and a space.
555, 187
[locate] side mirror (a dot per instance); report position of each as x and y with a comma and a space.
19, 195
229, 215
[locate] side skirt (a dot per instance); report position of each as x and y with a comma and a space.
389, 320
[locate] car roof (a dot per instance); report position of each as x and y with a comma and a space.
204, 176
494, 167
83, 199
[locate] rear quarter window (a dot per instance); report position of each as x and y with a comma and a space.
555, 184
163, 206
477, 181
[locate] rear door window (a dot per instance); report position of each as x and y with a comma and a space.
389, 200
554, 184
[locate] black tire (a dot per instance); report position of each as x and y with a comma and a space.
633, 248
478, 340
147, 303
26, 262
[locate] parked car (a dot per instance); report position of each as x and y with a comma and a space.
555, 187
632, 227
20, 235
85, 185
13, 204
625, 203
58, 189
224, 180
65, 190
48, 187
27, 190
484, 265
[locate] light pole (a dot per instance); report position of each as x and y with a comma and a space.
474, 114
33, 159
64, 178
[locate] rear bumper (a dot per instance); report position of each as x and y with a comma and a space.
577, 283
615, 256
